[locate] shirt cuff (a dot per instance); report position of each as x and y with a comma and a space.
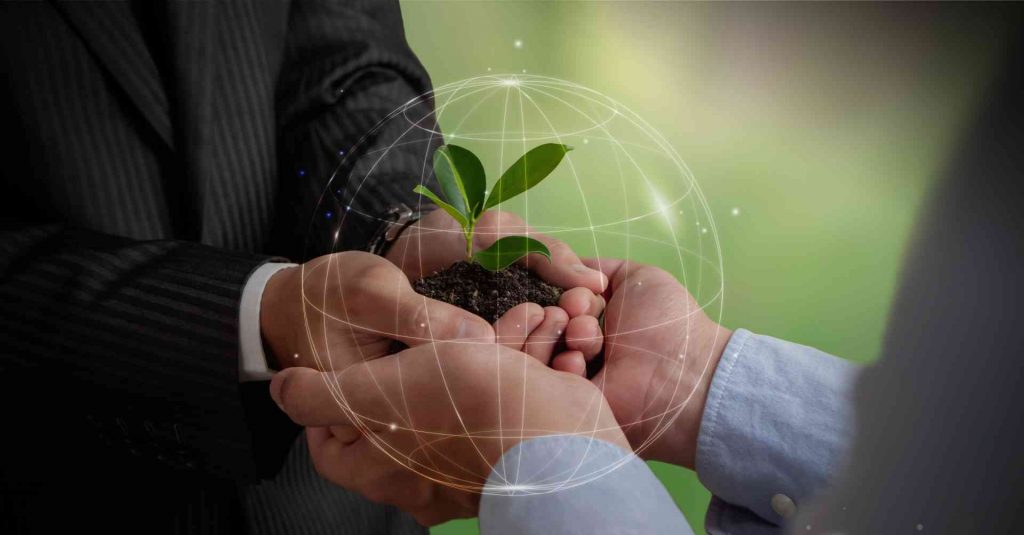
575, 484
252, 360
778, 419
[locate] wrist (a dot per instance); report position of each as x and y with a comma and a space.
280, 309
678, 444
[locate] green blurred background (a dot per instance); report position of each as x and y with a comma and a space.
824, 124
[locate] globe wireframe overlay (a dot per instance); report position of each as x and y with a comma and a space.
623, 192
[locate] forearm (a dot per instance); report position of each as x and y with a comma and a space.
777, 421
133, 336
538, 487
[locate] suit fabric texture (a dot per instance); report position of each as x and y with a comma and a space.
156, 153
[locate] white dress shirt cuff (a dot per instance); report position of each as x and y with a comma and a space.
252, 360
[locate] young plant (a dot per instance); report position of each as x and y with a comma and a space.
464, 184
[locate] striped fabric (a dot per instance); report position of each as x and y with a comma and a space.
150, 163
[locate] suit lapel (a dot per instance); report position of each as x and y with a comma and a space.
112, 34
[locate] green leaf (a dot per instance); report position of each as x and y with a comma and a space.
452, 211
462, 179
507, 250
470, 173
527, 172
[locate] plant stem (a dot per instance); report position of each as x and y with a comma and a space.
469, 243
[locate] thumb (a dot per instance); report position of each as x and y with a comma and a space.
357, 395
307, 397
610, 267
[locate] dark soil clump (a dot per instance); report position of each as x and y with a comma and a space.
485, 293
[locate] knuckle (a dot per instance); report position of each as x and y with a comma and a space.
382, 273
419, 315
426, 326
558, 248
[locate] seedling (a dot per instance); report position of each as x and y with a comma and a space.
464, 184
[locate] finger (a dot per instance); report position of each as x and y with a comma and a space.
431, 244
404, 489
583, 334
570, 362
363, 468
541, 343
380, 300
347, 434
580, 301
447, 503
347, 465
512, 329
564, 269
329, 455
313, 398
377, 298
610, 267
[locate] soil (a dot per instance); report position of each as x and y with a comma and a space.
485, 293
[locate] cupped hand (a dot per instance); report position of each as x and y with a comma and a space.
422, 429
660, 351
344, 308
436, 242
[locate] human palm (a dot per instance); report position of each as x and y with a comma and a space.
660, 353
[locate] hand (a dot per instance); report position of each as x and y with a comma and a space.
343, 308
435, 419
436, 242
661, 351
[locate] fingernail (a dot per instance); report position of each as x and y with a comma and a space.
472, 330
276, 384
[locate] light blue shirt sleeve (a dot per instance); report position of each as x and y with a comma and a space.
575, 485
778, 420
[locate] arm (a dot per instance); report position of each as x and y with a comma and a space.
755, 416
136, 341
346, 67
777, 421
627, 499
383, 447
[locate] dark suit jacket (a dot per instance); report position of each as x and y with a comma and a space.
155, 153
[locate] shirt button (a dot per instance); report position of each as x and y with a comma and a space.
784, 506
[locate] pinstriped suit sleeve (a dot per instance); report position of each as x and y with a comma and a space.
346, 66
139, 338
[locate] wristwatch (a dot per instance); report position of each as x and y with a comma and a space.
394, 221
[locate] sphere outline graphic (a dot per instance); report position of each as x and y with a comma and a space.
341, 197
